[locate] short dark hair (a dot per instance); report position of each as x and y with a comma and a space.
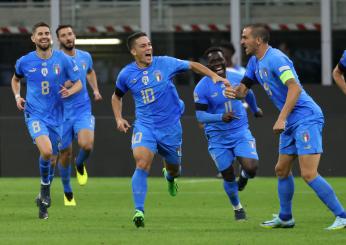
39, 24
227, 45
261, 31
212, 50
62, 27
133, 37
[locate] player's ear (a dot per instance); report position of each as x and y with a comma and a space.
32, 38
133, 52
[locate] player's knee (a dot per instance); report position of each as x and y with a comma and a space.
142, 164
173, 170
308, 175
46, 154
65, 157
281, 171
86, 146
228, 174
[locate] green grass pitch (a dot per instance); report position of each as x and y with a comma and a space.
199, 214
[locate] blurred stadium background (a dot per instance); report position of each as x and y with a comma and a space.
311, 32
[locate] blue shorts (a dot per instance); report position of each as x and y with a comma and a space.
303, 139
72, 126
165, 141
243, 144
37, 128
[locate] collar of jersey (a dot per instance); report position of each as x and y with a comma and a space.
269, 47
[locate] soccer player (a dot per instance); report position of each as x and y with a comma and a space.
339, 73
299, 124
78, 119
226, 127
250, 99
157, 127
44, 71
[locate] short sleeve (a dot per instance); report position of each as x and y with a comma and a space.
176, 65
120, 82
342, 63
18, 68
90, 63
199, 94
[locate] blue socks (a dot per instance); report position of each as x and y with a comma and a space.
44, 171
82, 156
65, 174
327, 195
285, 192
231, 189
139, 188
51, 173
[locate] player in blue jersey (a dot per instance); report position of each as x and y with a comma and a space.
299, 124
226, 127
157, 126
339, 73
44, 71
250, 99
78, 119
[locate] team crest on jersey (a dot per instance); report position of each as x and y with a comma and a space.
44, 71
158, 76
56, 69
145, 80
84, 65
306, 136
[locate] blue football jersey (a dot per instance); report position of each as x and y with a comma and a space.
342, 62
43, 78
267, 72
79, 102
212, 94
156, 98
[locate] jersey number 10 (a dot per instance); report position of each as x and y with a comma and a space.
148, 95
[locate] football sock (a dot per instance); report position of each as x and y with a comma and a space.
65, 173
327, 195
51, 173
231, 189
44, 171
139, 188
82, 156
285, 192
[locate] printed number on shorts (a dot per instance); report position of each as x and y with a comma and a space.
36, 126
148, 95
45, 87
137, 138
228, 106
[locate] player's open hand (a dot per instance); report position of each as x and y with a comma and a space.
123, 125
229, 116
64, 92
279, 126
20, 103
97, 96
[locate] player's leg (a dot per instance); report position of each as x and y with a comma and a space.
308, 167
223, 159
246, 153
84, 127
309, 145
64, 166
144, 149
169, 147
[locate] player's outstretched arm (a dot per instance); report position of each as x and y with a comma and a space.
339, 79
15, 84
117, 106
201, 69
293, 93
92, 80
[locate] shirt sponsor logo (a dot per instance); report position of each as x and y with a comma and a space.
145, 72
214, 94
75, 68
32, 70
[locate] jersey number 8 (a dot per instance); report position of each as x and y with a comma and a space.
45, 87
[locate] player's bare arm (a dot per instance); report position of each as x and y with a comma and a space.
68, 91
92, 80
117, 105
201, 69
15, 84
339, 79
293, 93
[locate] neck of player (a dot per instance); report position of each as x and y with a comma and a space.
44, 54
70, 52
262, 50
